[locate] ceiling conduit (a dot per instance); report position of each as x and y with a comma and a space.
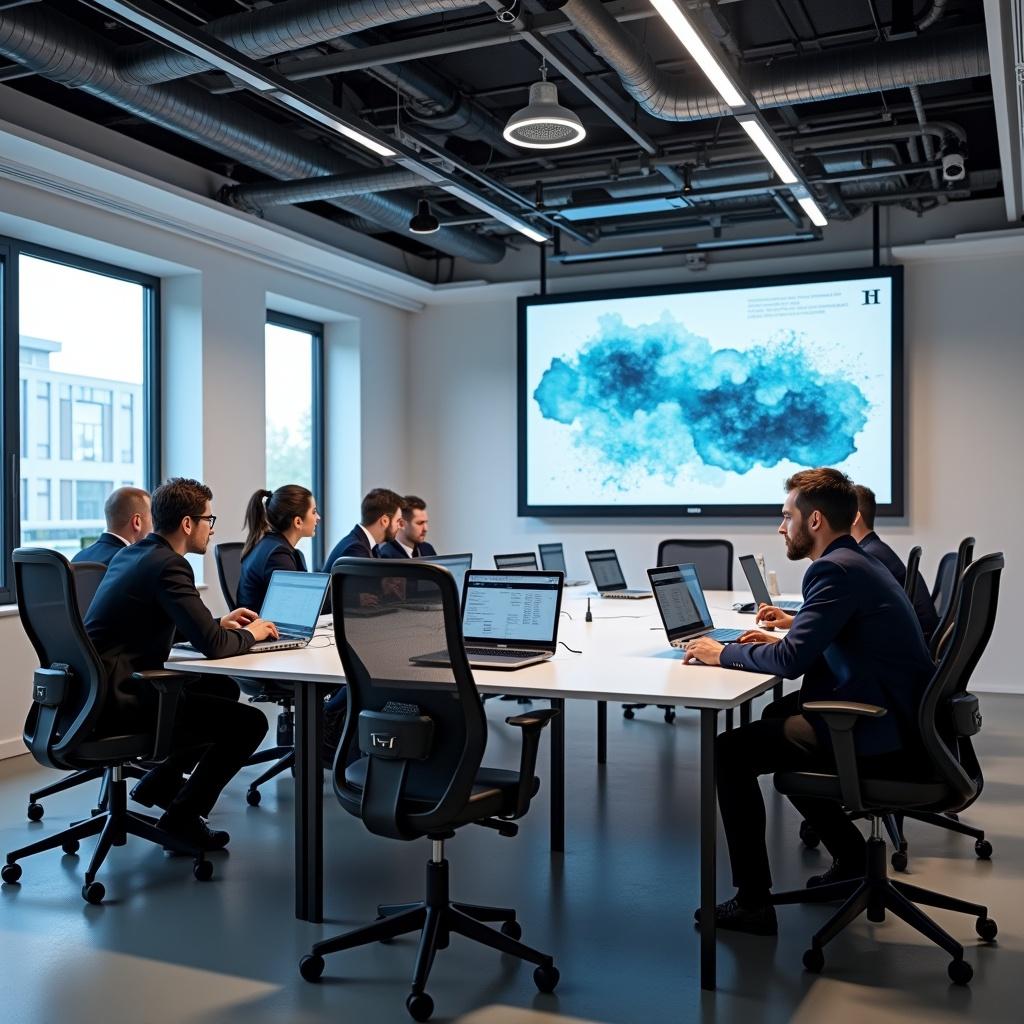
63, 51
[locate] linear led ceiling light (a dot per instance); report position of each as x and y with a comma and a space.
497, 213
769, 150
698, 50
813, 211
315, 112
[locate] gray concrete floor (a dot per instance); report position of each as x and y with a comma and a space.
615, 910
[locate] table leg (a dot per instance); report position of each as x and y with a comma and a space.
708, 846
309, 808
602, 731
728, 718
557, 782
745, 713
777, 691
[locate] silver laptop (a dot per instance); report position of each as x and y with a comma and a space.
457, 565
608, 578
552, 556
293, 602
509, 619
522, 560
748, 563
684, 612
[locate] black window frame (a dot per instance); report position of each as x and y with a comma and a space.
316, 331
11, 250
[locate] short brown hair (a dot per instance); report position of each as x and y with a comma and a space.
410, 504
828, 491
379, 502
176, 498
866, 505
122, 503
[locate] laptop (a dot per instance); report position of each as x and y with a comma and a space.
684, 612
523, 560
457, 565
757, 587
552, 556
608, 578
509, 619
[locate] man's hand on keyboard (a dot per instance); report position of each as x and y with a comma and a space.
263, 629
758, 636
239, 618
702, 650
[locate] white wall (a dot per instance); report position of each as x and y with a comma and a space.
965, 366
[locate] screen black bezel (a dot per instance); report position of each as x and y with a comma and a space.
896, 507
539, 645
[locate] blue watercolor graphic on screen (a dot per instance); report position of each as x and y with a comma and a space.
655, 398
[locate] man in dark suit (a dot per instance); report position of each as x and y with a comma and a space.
411, 539
863, 532
379, 519
147, 596
129, 519
855, 638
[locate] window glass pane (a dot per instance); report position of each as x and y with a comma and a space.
82, 349
289, 390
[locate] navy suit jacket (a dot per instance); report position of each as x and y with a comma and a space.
392, 549
921, 599
147, 596
102, 549
271, 552
856, 638
355, 544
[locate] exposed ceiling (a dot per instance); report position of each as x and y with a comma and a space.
867, 95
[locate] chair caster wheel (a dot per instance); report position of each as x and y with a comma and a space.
513, 929
814, 960
311, 967
34, 812
420, 1006
899, 860
960, 972
670, 716
986, 928
253, 797
70, 847
983, 848
546, 978
627, 713
93, 892
809, 836
11, 873
203, 870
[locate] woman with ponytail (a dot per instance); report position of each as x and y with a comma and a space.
276, 522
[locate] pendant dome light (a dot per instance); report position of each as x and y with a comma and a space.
423, 221
544, 123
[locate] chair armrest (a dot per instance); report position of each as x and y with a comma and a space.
532, 724
841, 716
168, 685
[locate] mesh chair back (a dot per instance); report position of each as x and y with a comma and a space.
399, 635
973, 620
48, 608
228, 557
913, 565
87, 578
942, 588
964, 554
713, 559
523, 560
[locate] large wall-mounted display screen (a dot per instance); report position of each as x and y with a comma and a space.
701, 400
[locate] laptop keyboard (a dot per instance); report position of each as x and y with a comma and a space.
725, 636
499, 652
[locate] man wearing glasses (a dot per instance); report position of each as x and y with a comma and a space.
147, 597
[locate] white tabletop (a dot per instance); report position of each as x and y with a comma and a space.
626, 658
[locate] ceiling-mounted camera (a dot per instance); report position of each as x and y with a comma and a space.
954, 160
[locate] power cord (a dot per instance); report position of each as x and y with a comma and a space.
571, 650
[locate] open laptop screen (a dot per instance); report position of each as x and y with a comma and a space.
457, 565
552, 556
755, 580
680, 599
523, 560
512, 607
294, 599
606, 571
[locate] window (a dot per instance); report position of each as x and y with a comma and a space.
294, 374
80, 360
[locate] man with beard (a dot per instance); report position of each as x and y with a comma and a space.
856, 638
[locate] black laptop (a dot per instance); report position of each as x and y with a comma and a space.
684, 611
757, 587
608, 578
552, 556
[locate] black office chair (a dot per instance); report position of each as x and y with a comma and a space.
228, 557
962, 559
66, 727
913, 571
945, 579
713, 559
86, 577
947, 718
409, 759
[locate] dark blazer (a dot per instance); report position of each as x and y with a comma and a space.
855, 638
147, 594
102, 549
270, 553
355, 544
921, 599
392, 549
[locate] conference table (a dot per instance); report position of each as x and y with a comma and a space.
625, 658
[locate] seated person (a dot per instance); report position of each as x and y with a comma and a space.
147, 595
276, 522
129, 519
379, 518
411, 539
856, 638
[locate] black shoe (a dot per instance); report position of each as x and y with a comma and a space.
733, 917
157, 789
840, 871
193, 830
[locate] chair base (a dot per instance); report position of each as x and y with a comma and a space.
670, 711
436, 918
35, 808
874, 895
113, 825
285, 761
